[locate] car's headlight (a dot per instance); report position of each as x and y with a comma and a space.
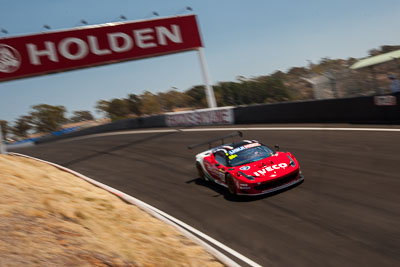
251, 178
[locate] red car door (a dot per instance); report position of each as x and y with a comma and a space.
218, 166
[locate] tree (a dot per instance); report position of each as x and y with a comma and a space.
198, 96
389, 48
102, 106
272, 90
118, 109
374, 52
4, 128
383, 49
47, 118
21, 126
82, 115
226, 93
151, 103
135, 104
115, 109
173, 99
296, 71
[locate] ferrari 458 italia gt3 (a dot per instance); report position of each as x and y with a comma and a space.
248, 167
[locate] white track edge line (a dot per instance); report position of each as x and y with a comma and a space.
181, 226
290, 129
230, 129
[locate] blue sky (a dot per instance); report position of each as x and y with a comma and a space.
248, 38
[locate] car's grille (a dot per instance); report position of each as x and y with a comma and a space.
276, 182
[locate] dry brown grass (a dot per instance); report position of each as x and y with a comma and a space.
51, 218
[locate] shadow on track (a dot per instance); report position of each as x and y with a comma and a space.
222, 191
116, 148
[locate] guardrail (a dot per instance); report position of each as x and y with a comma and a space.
137, 123
365, 109
343, 110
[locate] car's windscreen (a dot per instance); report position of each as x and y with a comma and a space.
249, 155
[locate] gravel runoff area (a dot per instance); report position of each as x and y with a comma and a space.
52, 218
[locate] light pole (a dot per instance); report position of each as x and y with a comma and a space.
209, 90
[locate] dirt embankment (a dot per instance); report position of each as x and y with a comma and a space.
51, 218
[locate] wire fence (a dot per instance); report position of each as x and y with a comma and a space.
348, 83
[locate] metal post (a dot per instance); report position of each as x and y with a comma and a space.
3, 149
209, 90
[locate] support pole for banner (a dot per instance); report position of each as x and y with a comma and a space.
209, 90
2, 145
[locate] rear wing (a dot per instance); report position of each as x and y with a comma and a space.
209, 142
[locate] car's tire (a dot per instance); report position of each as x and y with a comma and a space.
231, 185
200, 171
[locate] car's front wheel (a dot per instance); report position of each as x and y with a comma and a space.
231, 185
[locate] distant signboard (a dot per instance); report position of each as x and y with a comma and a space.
57, 51
387, 100
201, 117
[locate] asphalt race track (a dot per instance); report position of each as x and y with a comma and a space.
345, 213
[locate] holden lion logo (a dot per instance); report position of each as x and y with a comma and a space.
10, 60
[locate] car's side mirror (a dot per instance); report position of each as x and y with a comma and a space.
276, 146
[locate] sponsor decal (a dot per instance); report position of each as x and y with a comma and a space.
244, 186
10, 60
387, 100
252, 145
42, 53
207, 165
271, 168
213, 171
244, 168
222, 176
201, 117
232, 156
240, 148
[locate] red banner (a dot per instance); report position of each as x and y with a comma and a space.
88, 46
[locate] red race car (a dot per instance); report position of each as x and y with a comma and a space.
248, 167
